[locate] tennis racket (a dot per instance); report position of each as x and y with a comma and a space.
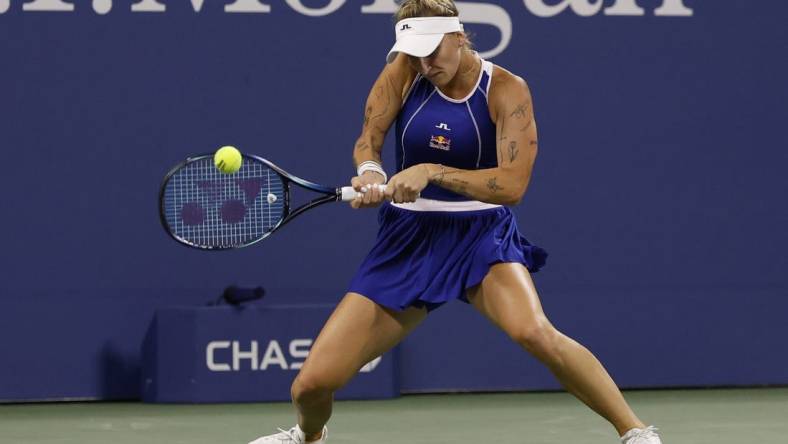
204, 208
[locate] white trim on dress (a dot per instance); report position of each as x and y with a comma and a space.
444, 205
488, 68
412, 87
470, 94
408, 124
478, 136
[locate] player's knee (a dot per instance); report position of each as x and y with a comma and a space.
307, 389
539, 338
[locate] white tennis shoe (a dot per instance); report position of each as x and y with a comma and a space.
641, 436
292, 436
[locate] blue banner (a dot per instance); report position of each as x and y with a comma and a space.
227, 354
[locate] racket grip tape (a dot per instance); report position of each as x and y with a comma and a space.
348, 193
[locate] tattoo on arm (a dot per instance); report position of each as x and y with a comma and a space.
448, 180
521, 110
460, 186
439, 176
500, 142
367, 115
492, 184
513, 151
362, 146
525, 128
384, 100
381, 93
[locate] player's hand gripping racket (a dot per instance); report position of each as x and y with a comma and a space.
203, 208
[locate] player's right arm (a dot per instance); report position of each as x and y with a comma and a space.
383, 105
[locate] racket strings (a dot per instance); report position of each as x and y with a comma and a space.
207, 208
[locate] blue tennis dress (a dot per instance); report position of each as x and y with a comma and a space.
432, 251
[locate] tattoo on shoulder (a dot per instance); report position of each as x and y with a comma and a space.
525, 128
492, 184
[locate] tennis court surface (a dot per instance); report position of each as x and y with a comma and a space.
730, 416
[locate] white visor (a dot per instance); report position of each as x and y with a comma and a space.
420, 36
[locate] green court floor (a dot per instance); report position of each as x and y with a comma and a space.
733, 416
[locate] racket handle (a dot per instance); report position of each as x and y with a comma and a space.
348, 193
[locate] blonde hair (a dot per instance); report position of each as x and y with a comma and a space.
430, 8
426, 8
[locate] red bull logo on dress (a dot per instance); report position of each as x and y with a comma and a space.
440, 143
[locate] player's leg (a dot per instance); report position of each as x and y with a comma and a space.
508, 298
357, 332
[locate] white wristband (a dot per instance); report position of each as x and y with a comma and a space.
371, 165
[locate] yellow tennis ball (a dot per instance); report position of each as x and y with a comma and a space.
228, 159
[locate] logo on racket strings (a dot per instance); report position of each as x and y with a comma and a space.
231, 199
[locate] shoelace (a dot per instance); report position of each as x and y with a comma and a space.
642, 434
290, 434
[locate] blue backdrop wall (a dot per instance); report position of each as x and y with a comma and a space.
659, 191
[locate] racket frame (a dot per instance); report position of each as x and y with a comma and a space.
331, 195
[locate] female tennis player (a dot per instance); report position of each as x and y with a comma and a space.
466, 144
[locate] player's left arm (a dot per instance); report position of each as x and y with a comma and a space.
511, 108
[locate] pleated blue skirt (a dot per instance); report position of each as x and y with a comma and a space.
427, 258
